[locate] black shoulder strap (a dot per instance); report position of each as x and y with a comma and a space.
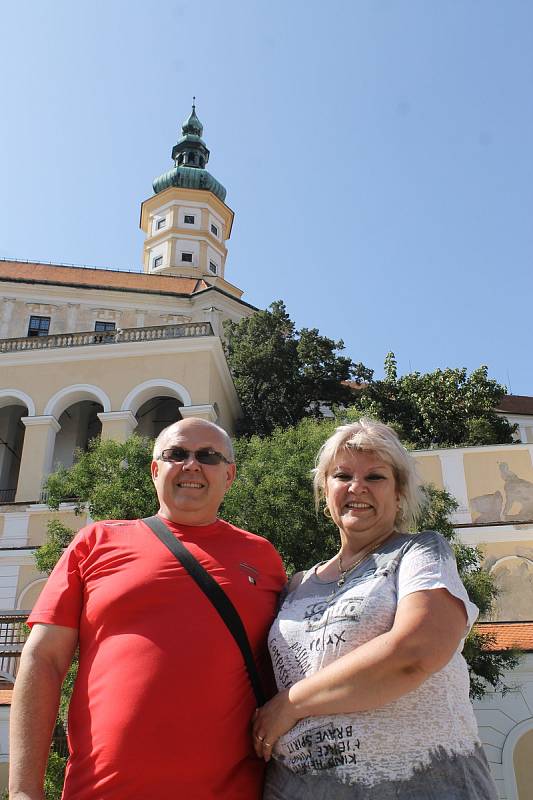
215, 594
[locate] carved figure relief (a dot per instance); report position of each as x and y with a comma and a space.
518, 495
515, 503
488, 506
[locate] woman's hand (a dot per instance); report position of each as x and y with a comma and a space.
271, 721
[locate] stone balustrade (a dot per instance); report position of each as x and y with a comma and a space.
119, 336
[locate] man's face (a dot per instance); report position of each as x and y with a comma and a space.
189, 492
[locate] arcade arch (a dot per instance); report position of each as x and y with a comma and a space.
517, 765
14, 405
76, 409
30, 593
156, 404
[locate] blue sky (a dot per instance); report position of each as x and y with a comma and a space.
378, 157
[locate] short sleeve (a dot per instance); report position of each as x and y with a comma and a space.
429, 563
60, 601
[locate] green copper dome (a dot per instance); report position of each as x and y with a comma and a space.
192, 124
190, 156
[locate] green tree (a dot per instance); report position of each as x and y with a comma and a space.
55, 776
272, 495
111, 480
283, 375
444, 408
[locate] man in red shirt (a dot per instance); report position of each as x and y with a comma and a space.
162, 702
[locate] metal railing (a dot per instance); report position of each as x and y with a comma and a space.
137, 271
59, 741
7, 495
120, 336
13, 634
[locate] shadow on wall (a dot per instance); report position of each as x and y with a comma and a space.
514, 504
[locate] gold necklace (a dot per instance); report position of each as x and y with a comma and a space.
344, 572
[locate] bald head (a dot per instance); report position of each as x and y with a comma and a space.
220, 439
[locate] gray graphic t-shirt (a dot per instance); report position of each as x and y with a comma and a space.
319, 622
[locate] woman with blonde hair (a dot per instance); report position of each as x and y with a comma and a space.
372, 699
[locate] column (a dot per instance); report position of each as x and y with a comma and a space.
453, 476
117, 425
207, 412
37, 454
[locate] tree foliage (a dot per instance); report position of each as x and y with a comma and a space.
272, 495
57, 538
283, 375
444, 408
111, 480
55, 776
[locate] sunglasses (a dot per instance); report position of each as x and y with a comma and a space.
204, 456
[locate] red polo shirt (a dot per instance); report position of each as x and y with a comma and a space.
162, 703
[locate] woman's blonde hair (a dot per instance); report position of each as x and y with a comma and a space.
375, 437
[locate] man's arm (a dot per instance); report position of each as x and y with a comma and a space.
45, 659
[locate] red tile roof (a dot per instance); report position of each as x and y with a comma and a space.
98, 278
507, 635
516, 404
354, 385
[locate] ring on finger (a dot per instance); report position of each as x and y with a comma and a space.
267, 744
260, 738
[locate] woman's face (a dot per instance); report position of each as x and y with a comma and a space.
361, 494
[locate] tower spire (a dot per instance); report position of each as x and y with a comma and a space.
190, 156
187, 222
192, 124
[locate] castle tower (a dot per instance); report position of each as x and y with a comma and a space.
187, 222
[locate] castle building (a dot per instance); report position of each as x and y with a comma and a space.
87, 352
90, 352
494, 489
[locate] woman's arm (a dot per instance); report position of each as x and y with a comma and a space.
427, 629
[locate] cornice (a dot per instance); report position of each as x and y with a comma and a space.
186, 234
71, 292
474, 449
